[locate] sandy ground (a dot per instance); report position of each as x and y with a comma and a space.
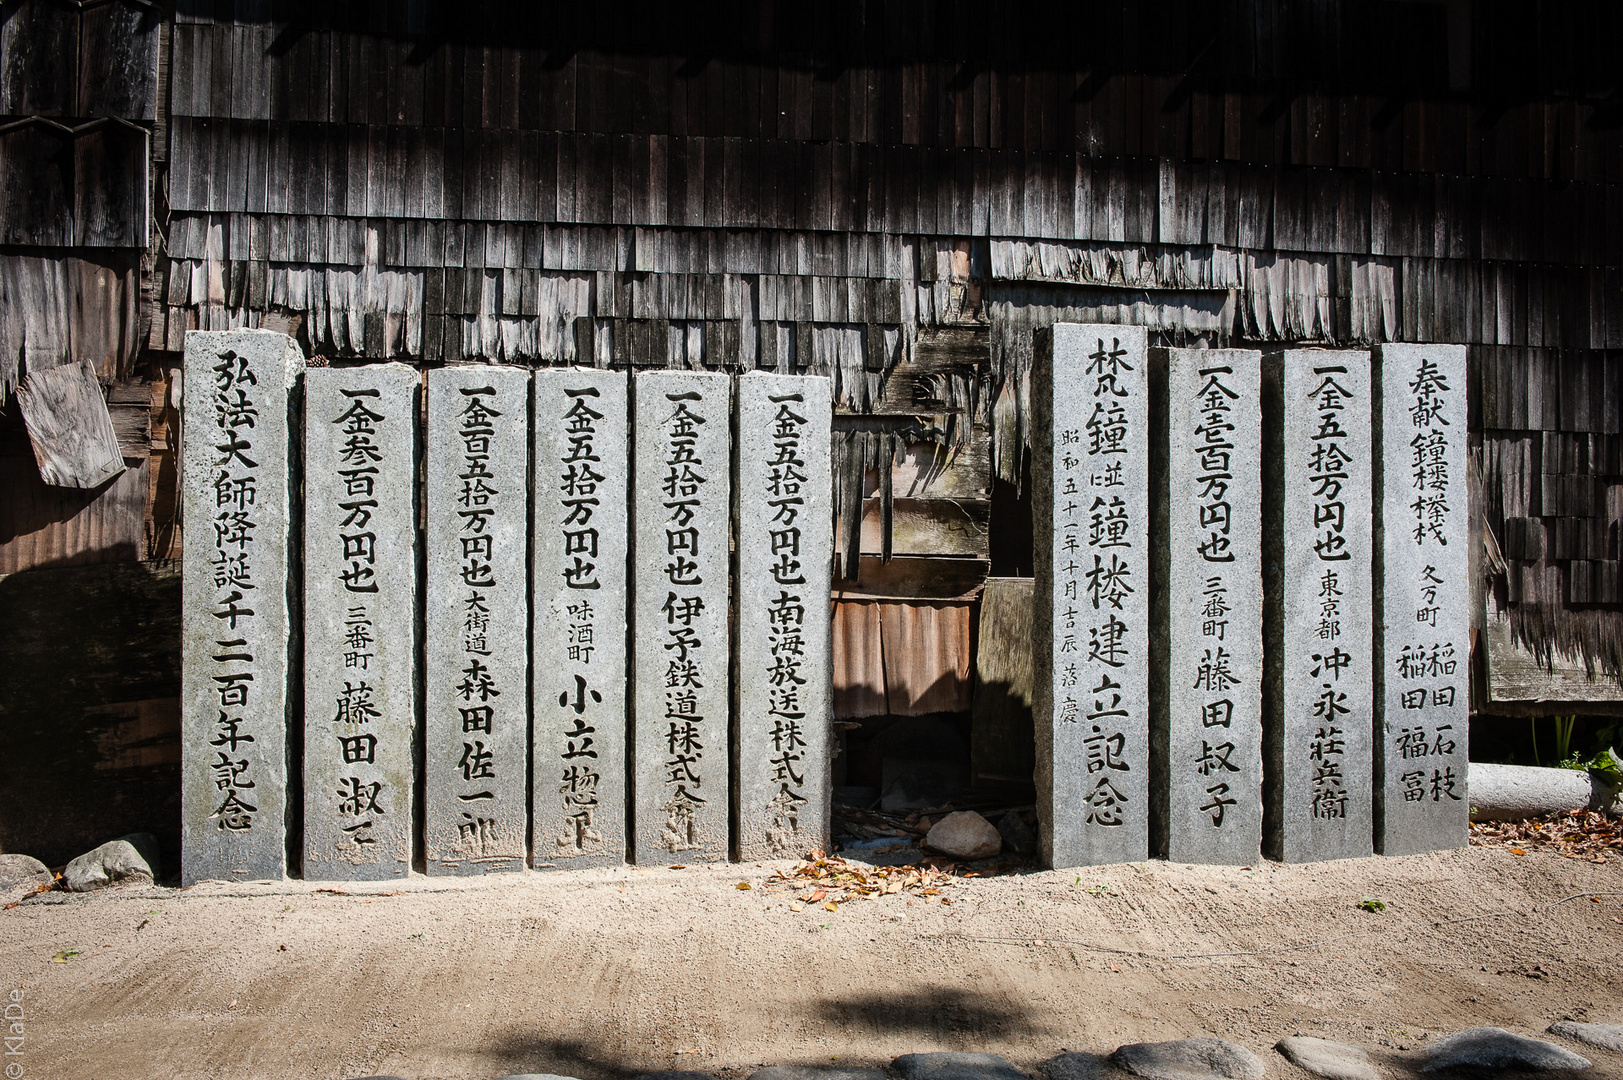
602, 974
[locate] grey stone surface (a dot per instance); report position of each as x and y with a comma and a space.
815, 1072
1090, 678
1518, 792
955, 1065
785, 532
676, 1074
1605, 1036
1496, 1048
1208, 727
1189, 1059
112, 863
578, 560
964, 834
476, 620
236, 631
681, 503
360, 621
538, 1076
1080, 1066
1423, 601
1318, 690
1332, 1060
23, 871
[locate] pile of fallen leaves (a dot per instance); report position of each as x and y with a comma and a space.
829, 881
1577, 834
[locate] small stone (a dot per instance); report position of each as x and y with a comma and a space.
1496, 1048
22, 871
966, 835
114, 862
1605, 1036
1017, 835
1332, 1060
1079, 1066
815, 1072
950, 1064
535, 1076
1189, 1059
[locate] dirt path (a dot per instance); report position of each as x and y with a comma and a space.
608, 973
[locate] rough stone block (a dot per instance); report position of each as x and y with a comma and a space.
476, 624
1423, 601
681, 503
578, 555
360, 621
236, 605
1496, 1048
1331, 1060
1208, 727
785, 533
1318, 682
1090, 682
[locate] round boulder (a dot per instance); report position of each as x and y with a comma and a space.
964, 835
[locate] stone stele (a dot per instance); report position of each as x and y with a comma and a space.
1319, 683
236, 602
1208, 730
681, 499
1091, 628
785, 542
578, 560
360, 621
476, 622
1422, 596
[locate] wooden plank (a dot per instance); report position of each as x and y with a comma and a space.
65, 411
928, 527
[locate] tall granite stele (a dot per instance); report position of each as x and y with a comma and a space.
1090, 678
1207, 724
681, 503
237, 605
360, 621
476, 620
1422, 598
579, 552
1318, 679
785, 522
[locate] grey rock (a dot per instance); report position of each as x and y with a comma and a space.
1496, 1048
1332, 1060
360, 583
1017, 835
682, 424
1424, 601
966, 835
535, 1076
578, 604
114, 862
1320, 551
1189, 1059
676, 1074
238, 449
1605, 1036
1209, 722
815, 1072
22, 871
952, 1065
782, 522
1519, 792
1090, 647
1080, 1066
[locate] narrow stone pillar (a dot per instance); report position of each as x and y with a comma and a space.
579, 563
237, 454
1319, 679
785, 530
1208, 722
1090, 477
476, 624
360, 621
681, 490
1423, 648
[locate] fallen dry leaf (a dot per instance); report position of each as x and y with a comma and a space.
831, 906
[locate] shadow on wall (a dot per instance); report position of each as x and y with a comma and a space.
89, 708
